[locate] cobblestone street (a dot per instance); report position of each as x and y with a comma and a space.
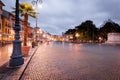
64, 61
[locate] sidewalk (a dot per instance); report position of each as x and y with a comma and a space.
5, 53
14, 74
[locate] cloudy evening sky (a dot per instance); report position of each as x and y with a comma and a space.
57, 16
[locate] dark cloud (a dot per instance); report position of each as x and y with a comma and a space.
57, 16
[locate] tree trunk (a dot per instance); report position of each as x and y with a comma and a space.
25, 29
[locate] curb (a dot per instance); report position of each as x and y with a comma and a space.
27, 63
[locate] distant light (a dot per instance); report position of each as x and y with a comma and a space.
77, 35
44, 35
100, 38
71, 37
33, 8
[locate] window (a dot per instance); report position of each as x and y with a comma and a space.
0, 16
8, 31
0, 26
5, 23
5, 30
1, 8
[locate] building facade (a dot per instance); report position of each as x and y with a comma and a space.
8, 24
113, 38
1, 5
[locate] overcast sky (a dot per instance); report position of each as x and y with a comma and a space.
57, 16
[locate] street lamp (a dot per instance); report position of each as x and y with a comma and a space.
16, 57
37, 3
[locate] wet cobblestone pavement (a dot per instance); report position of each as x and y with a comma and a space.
5, 53
8, 73
64, 61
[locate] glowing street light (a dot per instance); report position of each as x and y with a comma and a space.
71, 37
36, 4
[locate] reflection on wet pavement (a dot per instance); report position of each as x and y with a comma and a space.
67, 61
5, 53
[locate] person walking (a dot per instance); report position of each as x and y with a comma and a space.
33, 44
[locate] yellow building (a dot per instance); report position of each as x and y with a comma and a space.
21, 30
12, 23
1, 5
6, 27
8, 24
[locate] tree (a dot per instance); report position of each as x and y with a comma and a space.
26, 10
108, 27
87, 30
71, 32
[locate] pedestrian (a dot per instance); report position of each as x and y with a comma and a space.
33, 44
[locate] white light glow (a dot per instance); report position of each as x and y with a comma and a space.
40, 6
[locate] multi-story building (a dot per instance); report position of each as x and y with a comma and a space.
21, 30
30, 35
12, 24
12, 21
8, 24
1, 5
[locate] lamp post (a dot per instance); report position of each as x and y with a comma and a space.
16, 57
36, 3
